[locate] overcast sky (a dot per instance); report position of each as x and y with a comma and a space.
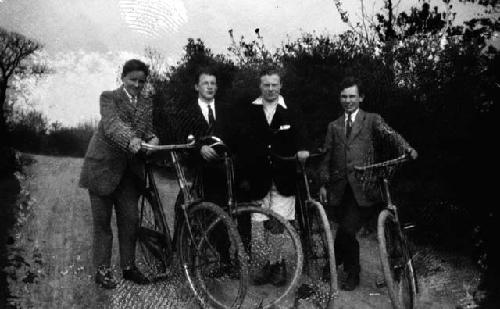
104, 32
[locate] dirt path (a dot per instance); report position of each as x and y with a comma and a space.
53, 253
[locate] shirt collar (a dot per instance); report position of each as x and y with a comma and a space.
353, 115
130, 97
202, 103
281, 101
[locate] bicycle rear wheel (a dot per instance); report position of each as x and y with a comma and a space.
272, 247
396, 261
154, 244
217, 275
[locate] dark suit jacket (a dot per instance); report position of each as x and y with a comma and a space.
257, 141
188, 119
337, 169
107, 155
180, 121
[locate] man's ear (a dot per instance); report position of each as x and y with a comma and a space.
196, 87
361, 98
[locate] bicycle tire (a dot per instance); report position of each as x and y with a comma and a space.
154, 244
251, 208
327, 242
397, 264
204, 216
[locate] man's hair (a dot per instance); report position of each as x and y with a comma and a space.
134, 65
270, 70
350, 81
204, 70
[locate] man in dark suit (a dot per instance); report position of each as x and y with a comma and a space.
351, 140
206, 117
271, 126
111, 174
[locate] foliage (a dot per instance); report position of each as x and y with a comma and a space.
14, 48
176, 88
31, 132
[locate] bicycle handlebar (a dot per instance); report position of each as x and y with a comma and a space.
399, 160
155, 148
294, 157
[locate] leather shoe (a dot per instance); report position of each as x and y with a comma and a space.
264, 275
133, 274
105, 279
351, 282
279, 273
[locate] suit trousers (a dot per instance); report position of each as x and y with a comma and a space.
351, 218
124, 200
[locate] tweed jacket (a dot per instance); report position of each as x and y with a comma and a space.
369, 134
258, 141
107, 155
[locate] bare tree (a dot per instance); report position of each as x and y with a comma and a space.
14, 48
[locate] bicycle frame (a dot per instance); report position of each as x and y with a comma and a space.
181, 179
392, 210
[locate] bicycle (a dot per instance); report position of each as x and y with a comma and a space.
395, 254
315, 233
261, 243
194, 237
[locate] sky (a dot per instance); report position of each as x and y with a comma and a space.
86, 41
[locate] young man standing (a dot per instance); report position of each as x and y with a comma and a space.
350, 141
271, 126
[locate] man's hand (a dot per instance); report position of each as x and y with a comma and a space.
154, 141
208, 153
134, 145
412, 152
302, 156
323, 195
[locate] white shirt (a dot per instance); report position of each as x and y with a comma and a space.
270, 109
204, 108
353, 116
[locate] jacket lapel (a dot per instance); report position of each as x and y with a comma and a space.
340, 124
277, 118
358, 124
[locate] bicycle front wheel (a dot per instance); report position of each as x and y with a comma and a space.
396, 261
154, 244
212, 257
275, 253
319, 252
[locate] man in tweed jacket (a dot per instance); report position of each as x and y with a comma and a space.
111, 174
350, 141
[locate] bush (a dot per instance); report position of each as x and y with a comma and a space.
69, 141
31, 133
434, 92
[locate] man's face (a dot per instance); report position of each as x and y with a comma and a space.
134, 82
270, 86
206, 87
350, 99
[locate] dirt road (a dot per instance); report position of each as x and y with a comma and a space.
52, 257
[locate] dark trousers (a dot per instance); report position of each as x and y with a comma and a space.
124, 200
351, 218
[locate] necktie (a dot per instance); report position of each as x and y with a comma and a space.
348, 126
211, 118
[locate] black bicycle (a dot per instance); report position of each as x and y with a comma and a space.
317, 239
395, 254
265, 233
199, 225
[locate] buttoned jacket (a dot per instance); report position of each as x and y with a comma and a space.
259, 140
369, 134
107, 155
